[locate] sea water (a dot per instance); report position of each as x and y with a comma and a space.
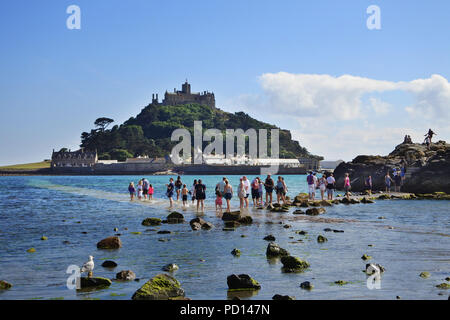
413, 237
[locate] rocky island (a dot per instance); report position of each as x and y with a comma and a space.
427, 170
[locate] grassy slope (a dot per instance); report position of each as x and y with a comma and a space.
27, 166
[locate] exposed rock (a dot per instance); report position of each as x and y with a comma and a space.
293, 264
338, 231
175, 217
109, 264
110, 243
372, 268
287, 226
427, 167
151, 222
126, 275
306, 285
280, 297
31, 250
164, 232
341, 282
321, 239
366, 257
301, 232
274, 250
199, 223
424, 274
443, 286
245, 220
242, 282
236, 252
365, 200
298, 211
160, 287
269, 238
44, 238
5, 285
231, 216
171, 267
94, 283
325, 203
231, 224
314, 211
327, 230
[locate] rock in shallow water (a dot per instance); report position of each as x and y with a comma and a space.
151, 222
94, 283
170, 267
110, 243
269, 238
175, 217
160, 287
109, 264
293, 264
274, 250
242, 282
281, 297
306, 285
126, 275
5, 285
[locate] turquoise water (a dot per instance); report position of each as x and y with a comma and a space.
62, 208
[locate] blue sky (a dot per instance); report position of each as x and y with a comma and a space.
254, 55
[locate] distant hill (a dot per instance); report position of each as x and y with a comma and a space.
149, 132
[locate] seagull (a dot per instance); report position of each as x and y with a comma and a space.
88, 266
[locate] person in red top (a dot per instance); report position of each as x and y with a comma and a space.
347, 186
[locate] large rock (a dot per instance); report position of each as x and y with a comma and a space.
175, 217
110, 243
160, 287
274, 250
126, 275
293, 264
426, 168
109, 264
242, 282
94, 283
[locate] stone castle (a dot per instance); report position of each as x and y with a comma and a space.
185, 96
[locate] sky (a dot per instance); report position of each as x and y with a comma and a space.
313, 67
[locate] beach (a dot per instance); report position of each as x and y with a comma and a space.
406, 237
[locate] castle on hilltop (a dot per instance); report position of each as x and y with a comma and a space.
185, 96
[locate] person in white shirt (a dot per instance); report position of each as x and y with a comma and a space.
330, 186
247, 187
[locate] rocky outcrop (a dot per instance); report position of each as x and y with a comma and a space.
160, 287
424, 168
199, 223
242, 282
175, 217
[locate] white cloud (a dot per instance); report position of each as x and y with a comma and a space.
341, 117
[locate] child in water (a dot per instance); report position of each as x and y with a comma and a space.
131, 190
184, 195
150, 192
218, 201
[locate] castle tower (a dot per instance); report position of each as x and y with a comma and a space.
186, 88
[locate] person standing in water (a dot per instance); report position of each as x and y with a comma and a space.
260, 192
150, 192
368, 184
311, 186
281, 190
192, 191
178, 185
145, 187
184, 195
322, 186
347, 185
139, 190
247, 190
330, 186
269, 185
255, 192
200, 194
228, 194
131, 190
387, 181
169, 192
241, 193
